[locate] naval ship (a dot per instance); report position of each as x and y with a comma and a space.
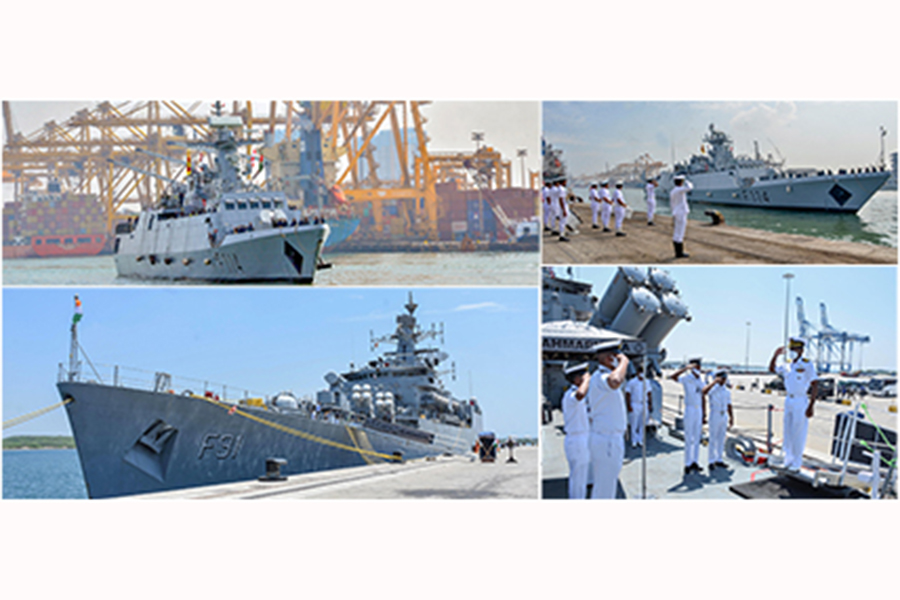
216, 226
132, 440
721, 177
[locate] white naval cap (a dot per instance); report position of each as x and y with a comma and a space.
619, 184
604, 182
573, 368
607, 346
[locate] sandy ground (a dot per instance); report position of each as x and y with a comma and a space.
722, 244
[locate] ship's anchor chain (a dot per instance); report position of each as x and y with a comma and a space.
301, 434
33, 415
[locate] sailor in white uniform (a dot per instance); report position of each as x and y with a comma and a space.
619, 207
802, 387
651, 200
678, 203
606, 204
548, 205
721, 417
608, 421
577, 428
595, 205
562, 210
691, 378
639, 405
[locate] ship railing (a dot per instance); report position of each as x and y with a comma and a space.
158, 381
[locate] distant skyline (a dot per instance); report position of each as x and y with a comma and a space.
831, 135
721, 300
267, 340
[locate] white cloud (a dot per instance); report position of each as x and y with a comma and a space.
764, 118
489, 306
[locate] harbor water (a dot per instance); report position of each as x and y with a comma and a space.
415, 268
50, 473
875, 223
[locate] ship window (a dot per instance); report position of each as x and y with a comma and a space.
266, 204
37, 242
229, 206
68, 241
278, 204
242, 205
254, 205
84, 240
53, 240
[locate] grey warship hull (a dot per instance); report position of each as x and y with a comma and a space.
133, 441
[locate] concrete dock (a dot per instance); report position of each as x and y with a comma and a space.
706, 244
443, 477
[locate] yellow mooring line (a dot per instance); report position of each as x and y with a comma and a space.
301, 434
32, 415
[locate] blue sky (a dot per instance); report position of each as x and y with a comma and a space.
268, 340
722, 299
807, 134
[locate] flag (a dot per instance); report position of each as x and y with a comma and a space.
188, 162
77, 316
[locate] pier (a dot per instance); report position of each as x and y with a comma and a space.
706, 244
443, 477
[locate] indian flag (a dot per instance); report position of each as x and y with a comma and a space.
77, 316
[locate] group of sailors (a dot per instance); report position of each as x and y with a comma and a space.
607, 204
598, 406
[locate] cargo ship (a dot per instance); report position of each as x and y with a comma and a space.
52, 223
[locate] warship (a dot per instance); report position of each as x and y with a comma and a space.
217, 226
133, 439
721, 177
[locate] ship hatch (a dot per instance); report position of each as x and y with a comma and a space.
294, 256
152, 450
839, 194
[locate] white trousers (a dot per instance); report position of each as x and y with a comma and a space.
578, 453
693, 430
651, 209
680, 227
605, 211
548, 214
796, 425
607, 454
563, 219
619, 211
718, 426
595, 210
637, 420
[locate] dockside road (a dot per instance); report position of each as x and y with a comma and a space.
444, 477
706, 244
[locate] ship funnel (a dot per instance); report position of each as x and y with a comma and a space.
617, 294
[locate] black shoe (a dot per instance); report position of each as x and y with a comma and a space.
547, 229
712, 466
595, 227
554, 232
696, 467
620, 233
563, 239
606, 229
721, 464
687, 470
650, 223
679, 250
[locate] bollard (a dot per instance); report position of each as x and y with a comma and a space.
273, 470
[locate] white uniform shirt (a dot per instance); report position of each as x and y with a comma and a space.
575, 412
651, 192
678, 202
617, 196
637, 389
595, 195
561, 199
604, 194
545, 194
719, 399
797, 376
606, 405
693, 389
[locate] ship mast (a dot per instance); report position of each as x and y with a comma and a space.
74, 363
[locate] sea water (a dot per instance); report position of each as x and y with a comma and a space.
875, 223
395, 268
51, 473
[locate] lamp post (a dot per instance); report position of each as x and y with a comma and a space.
747, 354
787, 317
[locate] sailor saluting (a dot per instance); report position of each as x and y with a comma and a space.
801, 386
577, 428
721, 417
678, 204
608, 422
691, 378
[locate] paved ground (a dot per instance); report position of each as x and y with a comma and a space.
444, 477
722, 244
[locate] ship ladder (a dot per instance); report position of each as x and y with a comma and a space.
233, 410
33, 415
